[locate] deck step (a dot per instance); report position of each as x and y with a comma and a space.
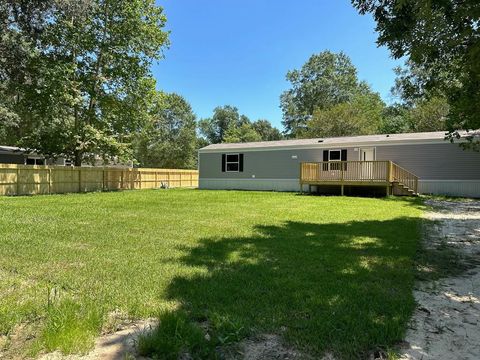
406, 189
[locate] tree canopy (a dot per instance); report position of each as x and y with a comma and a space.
327, 85
76, 73
228, 125
360, 116
442, 42
168, 138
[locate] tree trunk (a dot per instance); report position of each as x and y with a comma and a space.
78, 158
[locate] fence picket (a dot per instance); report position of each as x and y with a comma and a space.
34, 179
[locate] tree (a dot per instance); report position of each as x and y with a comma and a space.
325, 80
88, 70
395, 120
429, 115
244, 132
360, 116
168, 138
266, 131
215, 128
22, 24
227, 125
442, 39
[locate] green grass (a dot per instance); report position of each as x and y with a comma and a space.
334, 273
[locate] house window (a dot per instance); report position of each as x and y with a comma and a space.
332, 159
232, 162
334, 155
35, 161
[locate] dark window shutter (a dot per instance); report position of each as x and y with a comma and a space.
240, 163
343, 157
325, 155
223, 162
325, 158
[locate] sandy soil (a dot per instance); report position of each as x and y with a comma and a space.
446, 323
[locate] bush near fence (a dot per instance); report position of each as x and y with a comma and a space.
34, 180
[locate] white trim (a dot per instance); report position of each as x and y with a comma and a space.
332, 145
461, 180
290, 179
232, 162
339, 150
250, 179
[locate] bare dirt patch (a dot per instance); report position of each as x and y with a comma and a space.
446, 323
263, 347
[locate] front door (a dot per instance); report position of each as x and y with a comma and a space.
367, 156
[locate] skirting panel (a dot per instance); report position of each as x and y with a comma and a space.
463, 188
251, 184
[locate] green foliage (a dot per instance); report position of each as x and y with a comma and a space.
429, 115
360, 116
168, 138
78, 91
242, 133
71, 327
227, 125
442, 42
395, 120
230, 265
214, 129
174, 335
266, 131
325, 80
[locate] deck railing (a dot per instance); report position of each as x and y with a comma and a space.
405, 177
353, 172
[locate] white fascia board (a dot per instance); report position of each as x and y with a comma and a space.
330, 145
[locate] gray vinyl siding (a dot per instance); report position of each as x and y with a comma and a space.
442, 161
274, 164
434, 161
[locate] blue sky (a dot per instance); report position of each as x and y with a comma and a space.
237, 52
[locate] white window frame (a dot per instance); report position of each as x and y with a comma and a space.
232, 162
36, 158
339, 150
333, 165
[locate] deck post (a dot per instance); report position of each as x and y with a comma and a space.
342, 189
300, 178
389, 171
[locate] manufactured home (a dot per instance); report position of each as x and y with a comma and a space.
402, 164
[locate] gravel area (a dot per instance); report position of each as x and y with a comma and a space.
446, 323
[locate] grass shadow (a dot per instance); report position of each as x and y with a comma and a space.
339, 287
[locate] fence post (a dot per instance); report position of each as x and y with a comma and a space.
49, 180
80, 179
18, 181
103, 179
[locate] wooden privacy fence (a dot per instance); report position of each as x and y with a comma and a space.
33, 180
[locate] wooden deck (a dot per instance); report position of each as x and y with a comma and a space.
359, 173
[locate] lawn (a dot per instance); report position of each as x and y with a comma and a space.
327, 273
